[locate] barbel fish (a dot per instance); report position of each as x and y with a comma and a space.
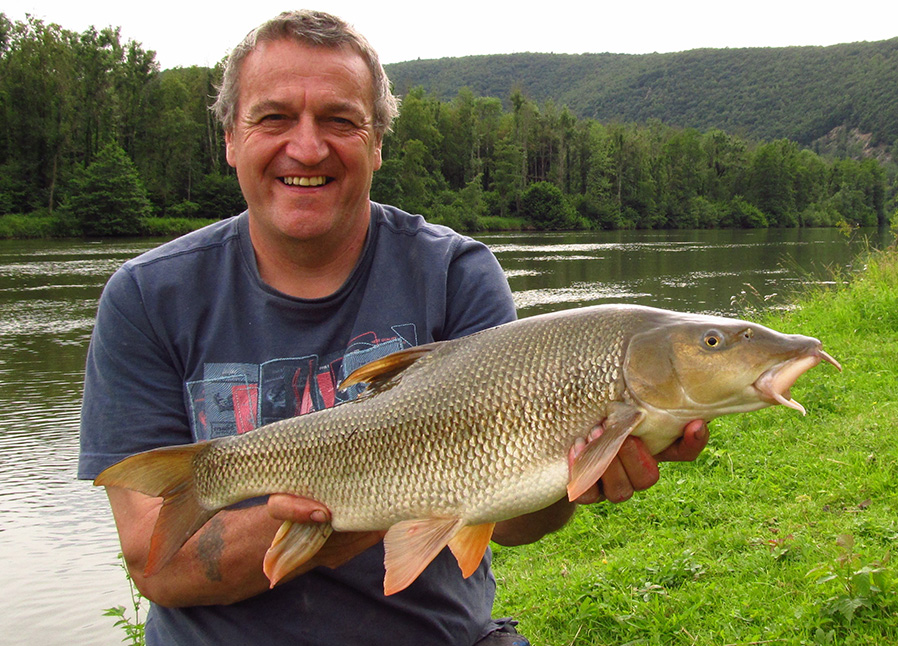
451, 437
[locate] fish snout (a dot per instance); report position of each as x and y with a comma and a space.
775, 383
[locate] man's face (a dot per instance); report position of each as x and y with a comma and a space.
303, 142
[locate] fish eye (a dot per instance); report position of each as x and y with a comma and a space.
713, 339
748, 333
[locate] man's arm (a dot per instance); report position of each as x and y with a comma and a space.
222, 562
634, 469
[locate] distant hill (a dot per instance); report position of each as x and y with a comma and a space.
800, 93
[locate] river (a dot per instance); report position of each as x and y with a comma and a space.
57, 542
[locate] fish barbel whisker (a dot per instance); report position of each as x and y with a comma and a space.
776, 382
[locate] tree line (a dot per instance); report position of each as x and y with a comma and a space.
460, 160
800, 93
94, 136
64, 97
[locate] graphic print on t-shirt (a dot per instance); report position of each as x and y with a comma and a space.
234, 398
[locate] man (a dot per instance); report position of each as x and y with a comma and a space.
257, 318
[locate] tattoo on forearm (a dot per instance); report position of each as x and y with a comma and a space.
209, 547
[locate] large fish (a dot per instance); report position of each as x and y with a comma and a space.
451, 437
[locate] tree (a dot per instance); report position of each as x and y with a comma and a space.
108, 197
218, 196
36, 72
772, 180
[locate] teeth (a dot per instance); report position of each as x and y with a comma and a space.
304, 181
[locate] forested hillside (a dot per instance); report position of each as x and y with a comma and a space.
800, 93
95, 139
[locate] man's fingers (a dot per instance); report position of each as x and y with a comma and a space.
299, 510
640, 467
688, 447
616, 485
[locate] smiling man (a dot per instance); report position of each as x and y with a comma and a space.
305, 148
259, 317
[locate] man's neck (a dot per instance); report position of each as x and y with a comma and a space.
308, 268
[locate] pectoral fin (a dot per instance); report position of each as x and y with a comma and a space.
469, 546
293, 545
599, 453
411, 545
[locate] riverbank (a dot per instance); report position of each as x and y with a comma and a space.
37, 226
780, 533
25, 227
29, 227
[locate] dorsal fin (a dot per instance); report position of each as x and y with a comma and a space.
377, 373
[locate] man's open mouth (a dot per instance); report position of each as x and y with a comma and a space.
319, 180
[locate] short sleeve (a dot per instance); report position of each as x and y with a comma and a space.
133, 393
477, 292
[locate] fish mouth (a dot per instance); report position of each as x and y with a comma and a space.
774, 384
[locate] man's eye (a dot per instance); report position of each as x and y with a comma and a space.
343, 121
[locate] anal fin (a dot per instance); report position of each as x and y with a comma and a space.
469, 546
411, 545
598, 454
293, 545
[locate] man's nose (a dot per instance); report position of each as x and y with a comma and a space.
306, 144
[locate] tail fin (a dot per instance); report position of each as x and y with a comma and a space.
167, 473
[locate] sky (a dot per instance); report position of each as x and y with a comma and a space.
186, 32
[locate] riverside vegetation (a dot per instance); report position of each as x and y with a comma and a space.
95, 139
780, 533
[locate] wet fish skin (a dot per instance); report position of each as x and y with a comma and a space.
451, 437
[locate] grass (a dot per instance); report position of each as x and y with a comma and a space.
780, 533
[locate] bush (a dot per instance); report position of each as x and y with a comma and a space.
742, 214
108, 198
28, 226
217, 196
171, 227
546, 206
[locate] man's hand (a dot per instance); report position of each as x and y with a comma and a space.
340, 546
634, 468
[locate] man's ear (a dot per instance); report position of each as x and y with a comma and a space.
229, 147
378, 152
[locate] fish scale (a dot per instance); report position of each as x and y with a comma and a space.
452, 437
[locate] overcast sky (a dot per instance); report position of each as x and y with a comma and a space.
186, 32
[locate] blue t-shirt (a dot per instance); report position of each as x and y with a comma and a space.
191, 344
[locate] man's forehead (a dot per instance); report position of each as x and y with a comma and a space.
351, 58
285, 59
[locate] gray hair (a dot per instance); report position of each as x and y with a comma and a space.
312, 28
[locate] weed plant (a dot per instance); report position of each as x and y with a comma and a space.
132, 627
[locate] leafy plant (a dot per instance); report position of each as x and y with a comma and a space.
133, 628
862, 587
